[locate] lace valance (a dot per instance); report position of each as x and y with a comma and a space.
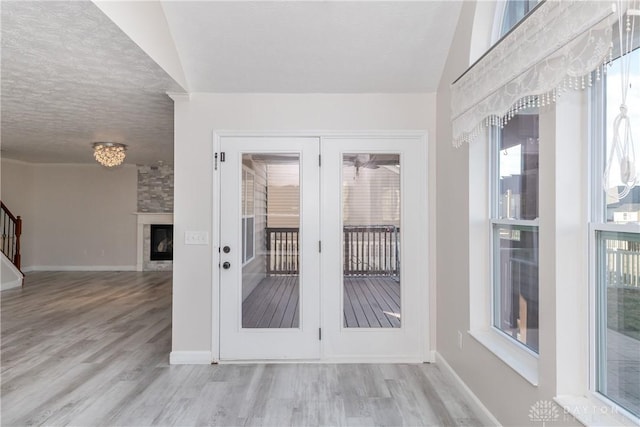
557, 48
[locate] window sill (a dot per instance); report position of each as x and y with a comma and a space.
520, 360
593, 411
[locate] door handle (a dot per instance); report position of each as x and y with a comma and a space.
226, 265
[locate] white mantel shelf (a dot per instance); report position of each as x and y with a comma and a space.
145, 218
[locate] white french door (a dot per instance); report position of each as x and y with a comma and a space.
269, 258
323, 262
374, 234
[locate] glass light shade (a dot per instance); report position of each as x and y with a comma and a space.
109, 154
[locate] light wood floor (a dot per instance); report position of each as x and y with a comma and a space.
369, 302
91, 349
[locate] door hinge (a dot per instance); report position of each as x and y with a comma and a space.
319, 159
223, 157
320, 246
215, 161
320, 334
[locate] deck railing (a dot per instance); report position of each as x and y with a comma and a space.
11, 227
372, 250
368, 250
283, 256
623, 268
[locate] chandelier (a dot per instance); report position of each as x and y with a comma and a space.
109, 154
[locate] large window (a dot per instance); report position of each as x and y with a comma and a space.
616, 237
514, 223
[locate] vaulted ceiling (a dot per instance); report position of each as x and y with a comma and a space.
72, 75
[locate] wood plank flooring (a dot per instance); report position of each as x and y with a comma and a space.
91, 349
369, 302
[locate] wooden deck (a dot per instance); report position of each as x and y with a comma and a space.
272, 304
370, 302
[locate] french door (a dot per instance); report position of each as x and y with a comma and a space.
323, 262
374, 275
269, 257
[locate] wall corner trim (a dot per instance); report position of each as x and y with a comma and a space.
465, 388
190, 358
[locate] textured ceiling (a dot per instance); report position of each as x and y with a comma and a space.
70, 77
327, 46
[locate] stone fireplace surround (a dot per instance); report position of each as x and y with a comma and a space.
145, 219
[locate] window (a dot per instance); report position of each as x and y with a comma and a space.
616, 260
514, 11
514, 228
248, 215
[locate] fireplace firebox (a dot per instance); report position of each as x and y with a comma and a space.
161, 242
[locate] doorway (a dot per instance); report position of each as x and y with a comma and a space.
323, 248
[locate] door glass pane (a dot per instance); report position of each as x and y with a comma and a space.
271, 223
371, 240
618, 318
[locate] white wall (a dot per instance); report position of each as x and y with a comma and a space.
503, 391
76, 217
196, 120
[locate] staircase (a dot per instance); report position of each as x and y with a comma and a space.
11, 228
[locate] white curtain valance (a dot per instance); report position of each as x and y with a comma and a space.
555, 49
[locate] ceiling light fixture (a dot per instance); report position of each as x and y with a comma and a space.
109, 154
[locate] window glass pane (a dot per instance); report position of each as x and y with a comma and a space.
270, 227
249, 195
249, 242
516, 283
517, 164
371, 236
625, 209
244, 240
618, 307
514, 11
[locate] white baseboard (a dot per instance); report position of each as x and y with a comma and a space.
11, 285
190, 358
465, 388
79, 268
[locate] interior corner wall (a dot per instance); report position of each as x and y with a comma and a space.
17, 193
76, 217
507, 395
196, 120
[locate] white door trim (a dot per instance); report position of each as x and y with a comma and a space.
427, 316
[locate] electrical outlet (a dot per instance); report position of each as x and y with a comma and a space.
196, 238
460, 340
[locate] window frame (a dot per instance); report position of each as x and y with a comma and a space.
246, 171
495, 141
515, 356
598, 225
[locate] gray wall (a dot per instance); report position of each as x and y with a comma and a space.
77, 217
